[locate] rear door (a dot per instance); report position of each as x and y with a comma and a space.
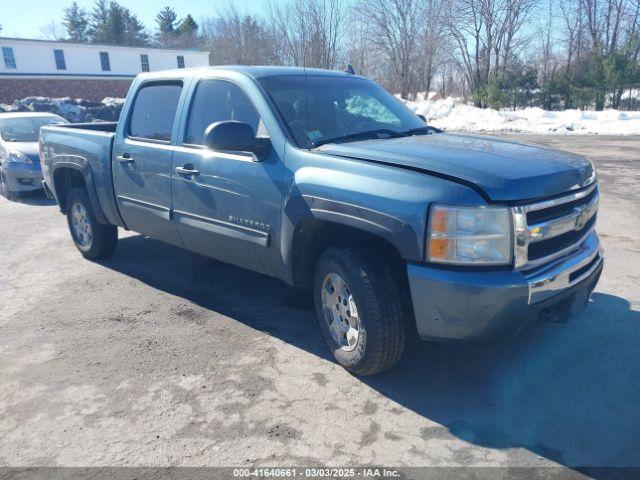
143, 156
229, 206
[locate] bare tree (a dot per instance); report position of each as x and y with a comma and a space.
487, 33
310, 31
432, 39
235, 38
395, 27
604, 22
52, 30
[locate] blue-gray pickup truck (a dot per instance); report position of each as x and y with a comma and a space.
326, 181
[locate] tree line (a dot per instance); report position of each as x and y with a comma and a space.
555, 54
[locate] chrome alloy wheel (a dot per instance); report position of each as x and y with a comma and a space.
340, 312
81, 226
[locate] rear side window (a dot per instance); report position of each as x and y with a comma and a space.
216, 101
154, 111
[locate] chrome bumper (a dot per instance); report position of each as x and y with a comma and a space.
566, 272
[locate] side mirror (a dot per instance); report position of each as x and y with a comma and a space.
234, 136
422, 117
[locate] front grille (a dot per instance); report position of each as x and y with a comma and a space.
549, 247
549, 229
557, 211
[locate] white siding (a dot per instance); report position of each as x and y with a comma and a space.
36, 58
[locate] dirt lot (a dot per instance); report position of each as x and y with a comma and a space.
162, 357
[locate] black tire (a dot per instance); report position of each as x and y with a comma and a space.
8, 194
104, 238
381, 330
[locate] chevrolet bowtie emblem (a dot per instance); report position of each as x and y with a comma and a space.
582, 218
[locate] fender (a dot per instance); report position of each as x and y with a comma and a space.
304, 207
81, 165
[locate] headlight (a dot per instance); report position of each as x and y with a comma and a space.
469, 235
18, 157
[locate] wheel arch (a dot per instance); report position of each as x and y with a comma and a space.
69, 175
309, 232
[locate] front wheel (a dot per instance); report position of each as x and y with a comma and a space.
4, 187
359, 309
94, 240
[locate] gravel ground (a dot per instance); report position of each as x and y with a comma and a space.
162, 357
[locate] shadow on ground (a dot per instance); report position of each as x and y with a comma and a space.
36, 198
567, 392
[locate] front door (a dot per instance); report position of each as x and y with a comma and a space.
227, 205
142, 163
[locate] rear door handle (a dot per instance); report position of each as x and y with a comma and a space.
187, 171
125, 158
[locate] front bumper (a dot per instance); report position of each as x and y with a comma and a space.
474, 305
22, 177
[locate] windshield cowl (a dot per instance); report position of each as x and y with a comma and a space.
375, 134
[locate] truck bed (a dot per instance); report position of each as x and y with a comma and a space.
86, 147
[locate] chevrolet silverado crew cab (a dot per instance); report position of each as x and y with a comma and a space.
325, 180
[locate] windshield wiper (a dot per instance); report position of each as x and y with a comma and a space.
426, 130
379, 133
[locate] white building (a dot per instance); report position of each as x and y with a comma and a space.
59, 69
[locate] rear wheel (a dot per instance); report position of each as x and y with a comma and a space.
359, 309
94, 240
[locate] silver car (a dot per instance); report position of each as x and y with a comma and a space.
20, 169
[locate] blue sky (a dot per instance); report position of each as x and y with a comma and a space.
26, 18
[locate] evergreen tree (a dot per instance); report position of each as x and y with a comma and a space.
188, 33
76, 22
98, 30
188, 26
113, 24
135, 30
166, 20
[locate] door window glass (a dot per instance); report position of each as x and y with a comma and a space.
154, 111
217, 101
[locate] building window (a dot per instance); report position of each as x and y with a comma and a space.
104, 62
60, 63
180, 61
9, 59
144, 62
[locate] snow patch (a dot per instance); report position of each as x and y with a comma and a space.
453, 115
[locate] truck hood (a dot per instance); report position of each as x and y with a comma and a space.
503, 170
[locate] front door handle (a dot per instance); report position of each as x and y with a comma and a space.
187, 171
125, 158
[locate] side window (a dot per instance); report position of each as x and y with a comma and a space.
216, 101
154, 111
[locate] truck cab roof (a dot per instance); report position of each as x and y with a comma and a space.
252, 71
